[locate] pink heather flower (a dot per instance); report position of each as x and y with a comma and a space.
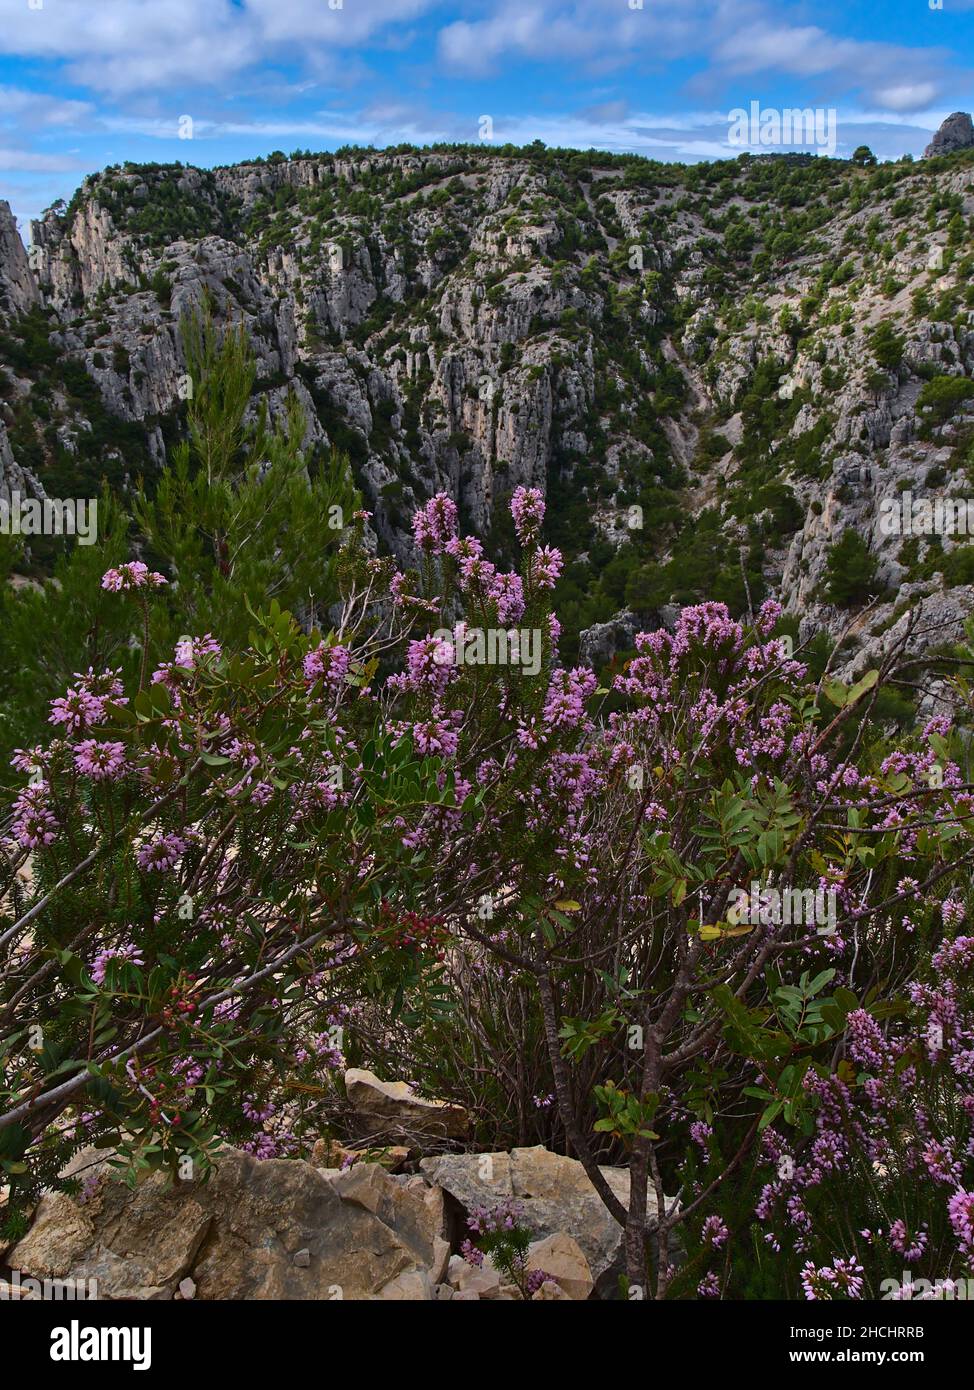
960, 1210
190, 650
941, 1163
100, 761
507, 591
768, 616
35, 828
709, 1287
435, 524
134, 575
34, 825
489, 1220
842, 1276
900, 1240
162, 854
714, 1231
567, 693
26, 759
327, 663
435, 737
700, 1132
471, 1254
464, 549
131, 954
534, 1281
546, 565
76, 709
527, 509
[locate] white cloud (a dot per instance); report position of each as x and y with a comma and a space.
123, 46
736, 39
12, 158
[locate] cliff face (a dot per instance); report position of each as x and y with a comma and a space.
18, 288
713, 371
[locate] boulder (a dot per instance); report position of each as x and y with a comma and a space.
564, 1260
550, 1292
410, 1207
484, 1281
555, 1197
392, 1109
329, 1153
277, 1229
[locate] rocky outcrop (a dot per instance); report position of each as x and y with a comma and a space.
14, 480
284, 1229
18, 288
554, 1195
278, 1229
956, 133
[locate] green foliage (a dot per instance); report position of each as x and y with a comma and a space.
942, 396
850, 571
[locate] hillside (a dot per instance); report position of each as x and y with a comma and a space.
751, 352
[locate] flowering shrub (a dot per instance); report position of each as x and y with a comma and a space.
501, 1234
252, 866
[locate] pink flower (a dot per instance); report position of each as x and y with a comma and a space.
34, 825
546, 566
77, 709
162, 854
131, 954
329, 664
435, 524
100, 761
134, 575
527, 509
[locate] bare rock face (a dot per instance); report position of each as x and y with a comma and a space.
277, 1229
956, 133
18, 289
14, 480
388, 1110
555, 1197
601, 642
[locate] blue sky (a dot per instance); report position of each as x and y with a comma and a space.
85, 83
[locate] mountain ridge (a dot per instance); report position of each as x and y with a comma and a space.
739, 350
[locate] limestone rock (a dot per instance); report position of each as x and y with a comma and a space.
562, 1257
18, 288
550, 1292
554, 1194
276, 1229
392, 1108
956, 133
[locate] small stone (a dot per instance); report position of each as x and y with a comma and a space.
550, 1292
562, 1258
302, 1258
187, 1288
